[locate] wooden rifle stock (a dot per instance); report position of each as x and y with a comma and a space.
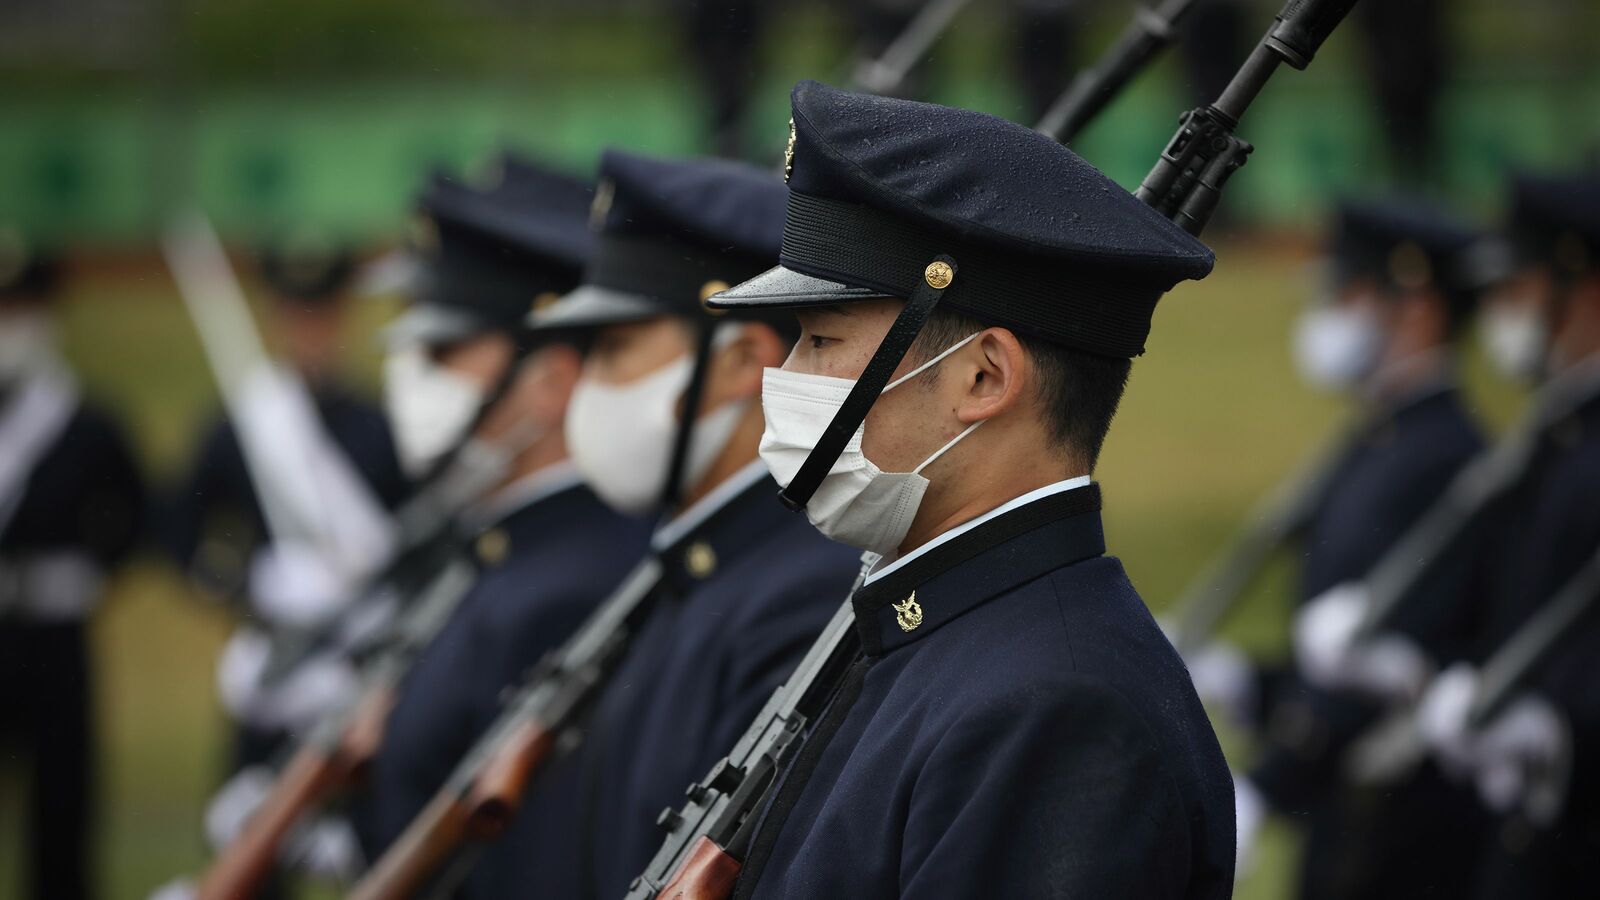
243, 866
421, 851
454, 817
708, 873
497, 792
315, 772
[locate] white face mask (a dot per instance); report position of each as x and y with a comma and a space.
430, 407
27, 344
621, 436
857, 503
1336, 347
1515, 339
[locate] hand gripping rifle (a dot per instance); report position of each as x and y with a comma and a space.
1397, 576
481, 796
709, 837
1391, 749
336, 752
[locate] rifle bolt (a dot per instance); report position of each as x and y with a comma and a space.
669, 820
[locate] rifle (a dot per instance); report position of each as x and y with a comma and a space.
709, 837
484, 791
337, 750
1494, 474
886, 74
1150, 32
1213, 594
1395, 746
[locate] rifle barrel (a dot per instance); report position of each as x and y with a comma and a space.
1150, 32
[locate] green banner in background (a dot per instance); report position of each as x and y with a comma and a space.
346, 160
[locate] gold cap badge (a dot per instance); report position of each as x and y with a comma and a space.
908, 614
788, 153
939, 274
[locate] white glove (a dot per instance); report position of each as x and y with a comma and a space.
1524, 760
314, 688
176, 889
1249, 811
1330, 655
293, 585
1442, 718
1223, 677
235, 803
326, 848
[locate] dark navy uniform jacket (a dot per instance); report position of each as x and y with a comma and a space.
541, 570
217, 498
85, 495
1549, 530
1386, 845
743, 599
1035, 735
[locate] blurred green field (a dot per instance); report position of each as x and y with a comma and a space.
1213, 418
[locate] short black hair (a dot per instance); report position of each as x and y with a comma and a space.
1078, 391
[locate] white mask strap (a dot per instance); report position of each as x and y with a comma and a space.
930, 364
953, 441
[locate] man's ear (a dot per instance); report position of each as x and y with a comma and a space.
553, 371
995, 376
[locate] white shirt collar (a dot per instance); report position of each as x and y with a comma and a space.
546, 481
1015, 502
675, 528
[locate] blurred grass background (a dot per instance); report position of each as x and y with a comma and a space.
1213, 418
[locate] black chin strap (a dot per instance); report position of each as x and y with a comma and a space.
693, 400
874, 378
522, 344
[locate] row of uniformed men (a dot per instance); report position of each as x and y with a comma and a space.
1019, 706
1506, 806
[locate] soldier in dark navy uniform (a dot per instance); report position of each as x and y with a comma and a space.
546, 549
1402, 294
215, 524
1534, 764
1016, 724
747, 585
71, 506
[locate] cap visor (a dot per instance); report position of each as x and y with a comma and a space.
779, 288
591, 306
428, 324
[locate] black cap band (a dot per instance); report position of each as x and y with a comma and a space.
797, 493
670, 271
1094, 307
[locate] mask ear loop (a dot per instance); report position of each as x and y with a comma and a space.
930, 363
953, 441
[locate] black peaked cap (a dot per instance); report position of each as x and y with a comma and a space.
671, 232
490, 254
28, 271
1405, 242
306, 270
1555, 220
1043, 241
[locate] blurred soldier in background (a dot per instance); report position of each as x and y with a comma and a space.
747, 584
547, 550
1406, 67
71, 507
216, 526
723, 38
1388, 334
1536, 765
